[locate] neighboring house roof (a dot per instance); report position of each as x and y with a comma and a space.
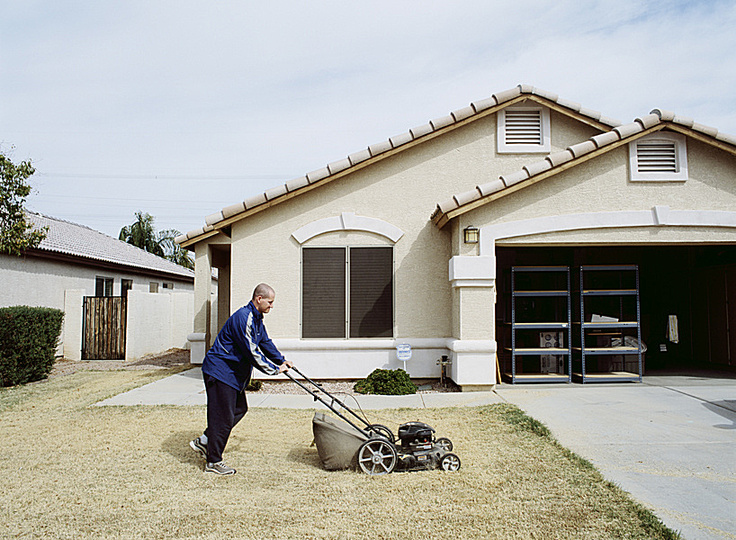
554, 163
375, 152
71, 241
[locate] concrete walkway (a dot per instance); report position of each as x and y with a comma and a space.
670, 441
187, 388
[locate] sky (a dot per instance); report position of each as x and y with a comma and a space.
181, 108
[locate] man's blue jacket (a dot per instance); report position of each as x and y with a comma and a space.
242, 344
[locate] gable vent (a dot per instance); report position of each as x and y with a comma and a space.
656, 156
523, 127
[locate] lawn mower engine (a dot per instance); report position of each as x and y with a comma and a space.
419, 449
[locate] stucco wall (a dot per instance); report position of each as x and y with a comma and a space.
158, 322
34, 281
403, 191
603, 185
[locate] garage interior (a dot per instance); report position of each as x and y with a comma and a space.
694, 283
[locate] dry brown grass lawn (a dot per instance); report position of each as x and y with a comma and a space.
73, 470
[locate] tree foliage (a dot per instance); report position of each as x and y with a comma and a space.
142, 233
16, 233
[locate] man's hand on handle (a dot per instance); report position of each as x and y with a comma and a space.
285, 366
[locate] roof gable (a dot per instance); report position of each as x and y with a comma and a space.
80, 242
375, 152
557, 162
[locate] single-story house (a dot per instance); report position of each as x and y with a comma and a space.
74, 262
519, 222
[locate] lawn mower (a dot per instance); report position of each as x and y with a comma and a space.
373, 448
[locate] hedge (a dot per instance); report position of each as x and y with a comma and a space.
28, 339
394, 382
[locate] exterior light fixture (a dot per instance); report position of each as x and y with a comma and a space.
471, 235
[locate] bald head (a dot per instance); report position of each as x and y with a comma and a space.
263, 290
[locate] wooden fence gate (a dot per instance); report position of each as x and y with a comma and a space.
103, 332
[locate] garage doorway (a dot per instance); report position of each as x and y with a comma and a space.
687, 294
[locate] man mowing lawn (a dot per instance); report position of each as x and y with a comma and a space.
242, 344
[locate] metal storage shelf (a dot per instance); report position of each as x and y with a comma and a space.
622, 328
563, 304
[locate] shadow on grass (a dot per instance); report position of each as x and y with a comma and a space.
177, 445
307, 456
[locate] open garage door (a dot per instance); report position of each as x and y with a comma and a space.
688, 297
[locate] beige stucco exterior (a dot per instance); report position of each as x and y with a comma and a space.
444, 289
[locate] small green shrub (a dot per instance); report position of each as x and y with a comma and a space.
28, 339
254, 385
387, 382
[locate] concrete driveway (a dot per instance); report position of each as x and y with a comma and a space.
669, 441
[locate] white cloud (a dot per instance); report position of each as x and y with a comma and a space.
269, 91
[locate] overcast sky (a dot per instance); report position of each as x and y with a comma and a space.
180, 108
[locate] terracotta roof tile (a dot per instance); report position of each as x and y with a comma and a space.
628, 129
402, 138
233, 210
359, 157
444, 121
491, 187
558, 158
507, 95
514, 178
724, 137
605, 138
214, 218
484, 104
648, 120
596, 142
273, 193
80, 241
297, 183
339, 166
379, 148
710, 131
572, 105
665, 116
397, 141
319, 174
255, 200
421, 131
467, 196
446, 206
683, 121
546, 95
537, 167
582, 148
462, 114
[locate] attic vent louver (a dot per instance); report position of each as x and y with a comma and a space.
656, 157
523, 127
523, 130
659, 157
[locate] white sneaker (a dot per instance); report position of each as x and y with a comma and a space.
219, 468
199, 447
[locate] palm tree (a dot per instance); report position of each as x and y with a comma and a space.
142, 234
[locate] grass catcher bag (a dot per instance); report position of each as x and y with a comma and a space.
337, 442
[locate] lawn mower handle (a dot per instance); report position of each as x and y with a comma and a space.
324, 402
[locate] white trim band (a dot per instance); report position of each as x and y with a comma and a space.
347, 221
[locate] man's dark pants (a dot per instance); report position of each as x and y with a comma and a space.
225, 408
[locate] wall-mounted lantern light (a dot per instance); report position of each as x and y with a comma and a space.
471, 235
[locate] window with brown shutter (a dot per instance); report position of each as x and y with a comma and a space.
323, 292
347, 291
371, 292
